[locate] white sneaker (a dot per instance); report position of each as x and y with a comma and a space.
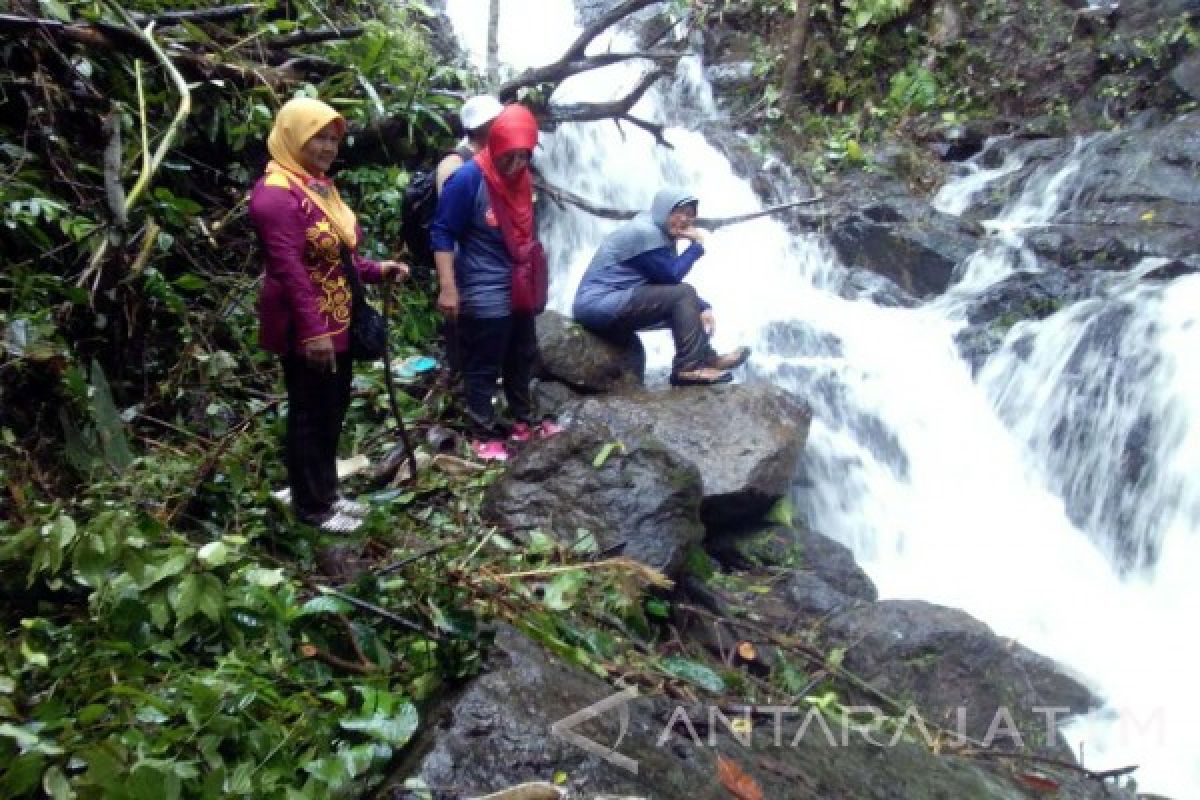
351, 507
340, 523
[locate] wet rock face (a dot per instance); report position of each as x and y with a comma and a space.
744, 440
1021, 296
642, 501
819, 575
584, 361
880, 225
1133, 196
497, 733
920, 254
945, 660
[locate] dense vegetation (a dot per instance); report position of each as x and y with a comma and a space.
163, 636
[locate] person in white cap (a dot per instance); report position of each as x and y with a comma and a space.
476, 115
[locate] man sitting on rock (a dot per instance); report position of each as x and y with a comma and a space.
635, 283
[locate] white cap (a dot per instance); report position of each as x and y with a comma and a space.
479, 111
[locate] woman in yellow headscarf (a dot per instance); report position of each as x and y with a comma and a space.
304, 307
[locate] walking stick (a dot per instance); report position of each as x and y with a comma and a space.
388, 381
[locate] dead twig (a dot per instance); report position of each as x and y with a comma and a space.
563, 196
1096, 775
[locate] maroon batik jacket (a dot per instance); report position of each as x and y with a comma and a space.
304, 293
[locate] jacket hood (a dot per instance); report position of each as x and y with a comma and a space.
666, 201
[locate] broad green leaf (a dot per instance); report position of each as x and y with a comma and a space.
33, 657
197, 593
28, 741
395, 729
213, 554
324, 604
266, 578
56, 9
190, 282
55, 784
781, 513
660, 609
20, 776
693, 672
560, 593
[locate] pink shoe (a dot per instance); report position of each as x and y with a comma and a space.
491, 450
521, 432
547, 428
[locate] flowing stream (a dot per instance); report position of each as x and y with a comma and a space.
948, 488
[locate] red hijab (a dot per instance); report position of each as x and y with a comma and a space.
511, 196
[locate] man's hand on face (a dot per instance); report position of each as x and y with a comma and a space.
681, 221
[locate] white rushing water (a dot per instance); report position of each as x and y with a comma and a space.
947, 489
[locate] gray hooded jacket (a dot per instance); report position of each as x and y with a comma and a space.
610, 280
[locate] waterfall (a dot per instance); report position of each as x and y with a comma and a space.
954, 491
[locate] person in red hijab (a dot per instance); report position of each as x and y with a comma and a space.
492, 278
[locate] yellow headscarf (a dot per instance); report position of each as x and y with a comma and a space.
296, 123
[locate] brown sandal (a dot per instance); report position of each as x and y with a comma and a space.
701, 376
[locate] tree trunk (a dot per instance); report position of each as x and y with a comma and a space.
795, 55
493, 45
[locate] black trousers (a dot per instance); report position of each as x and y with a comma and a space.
676, 307
491, 348
317, 402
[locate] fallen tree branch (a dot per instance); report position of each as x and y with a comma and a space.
574, 59
713, 223
114, 192
315, 37
603, 23
379, 611
561, 70
1101, 775
651, 128
149, 166
563, 196
220, 13
113, 38
588, 112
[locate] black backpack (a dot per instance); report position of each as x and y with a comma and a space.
417, 210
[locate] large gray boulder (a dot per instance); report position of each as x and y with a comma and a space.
1020, 296
918, 254
943, 660
643, 500
821, 574
745, 440
497, 733
573, 355
880, 224
1133, 196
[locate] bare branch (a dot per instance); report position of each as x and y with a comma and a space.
652, 128
562, 69
573, 60
585, 112
315, 37
168, 18
603, 23
563, 196
105, 36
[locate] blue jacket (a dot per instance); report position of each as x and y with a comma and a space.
606, 290
465, 225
